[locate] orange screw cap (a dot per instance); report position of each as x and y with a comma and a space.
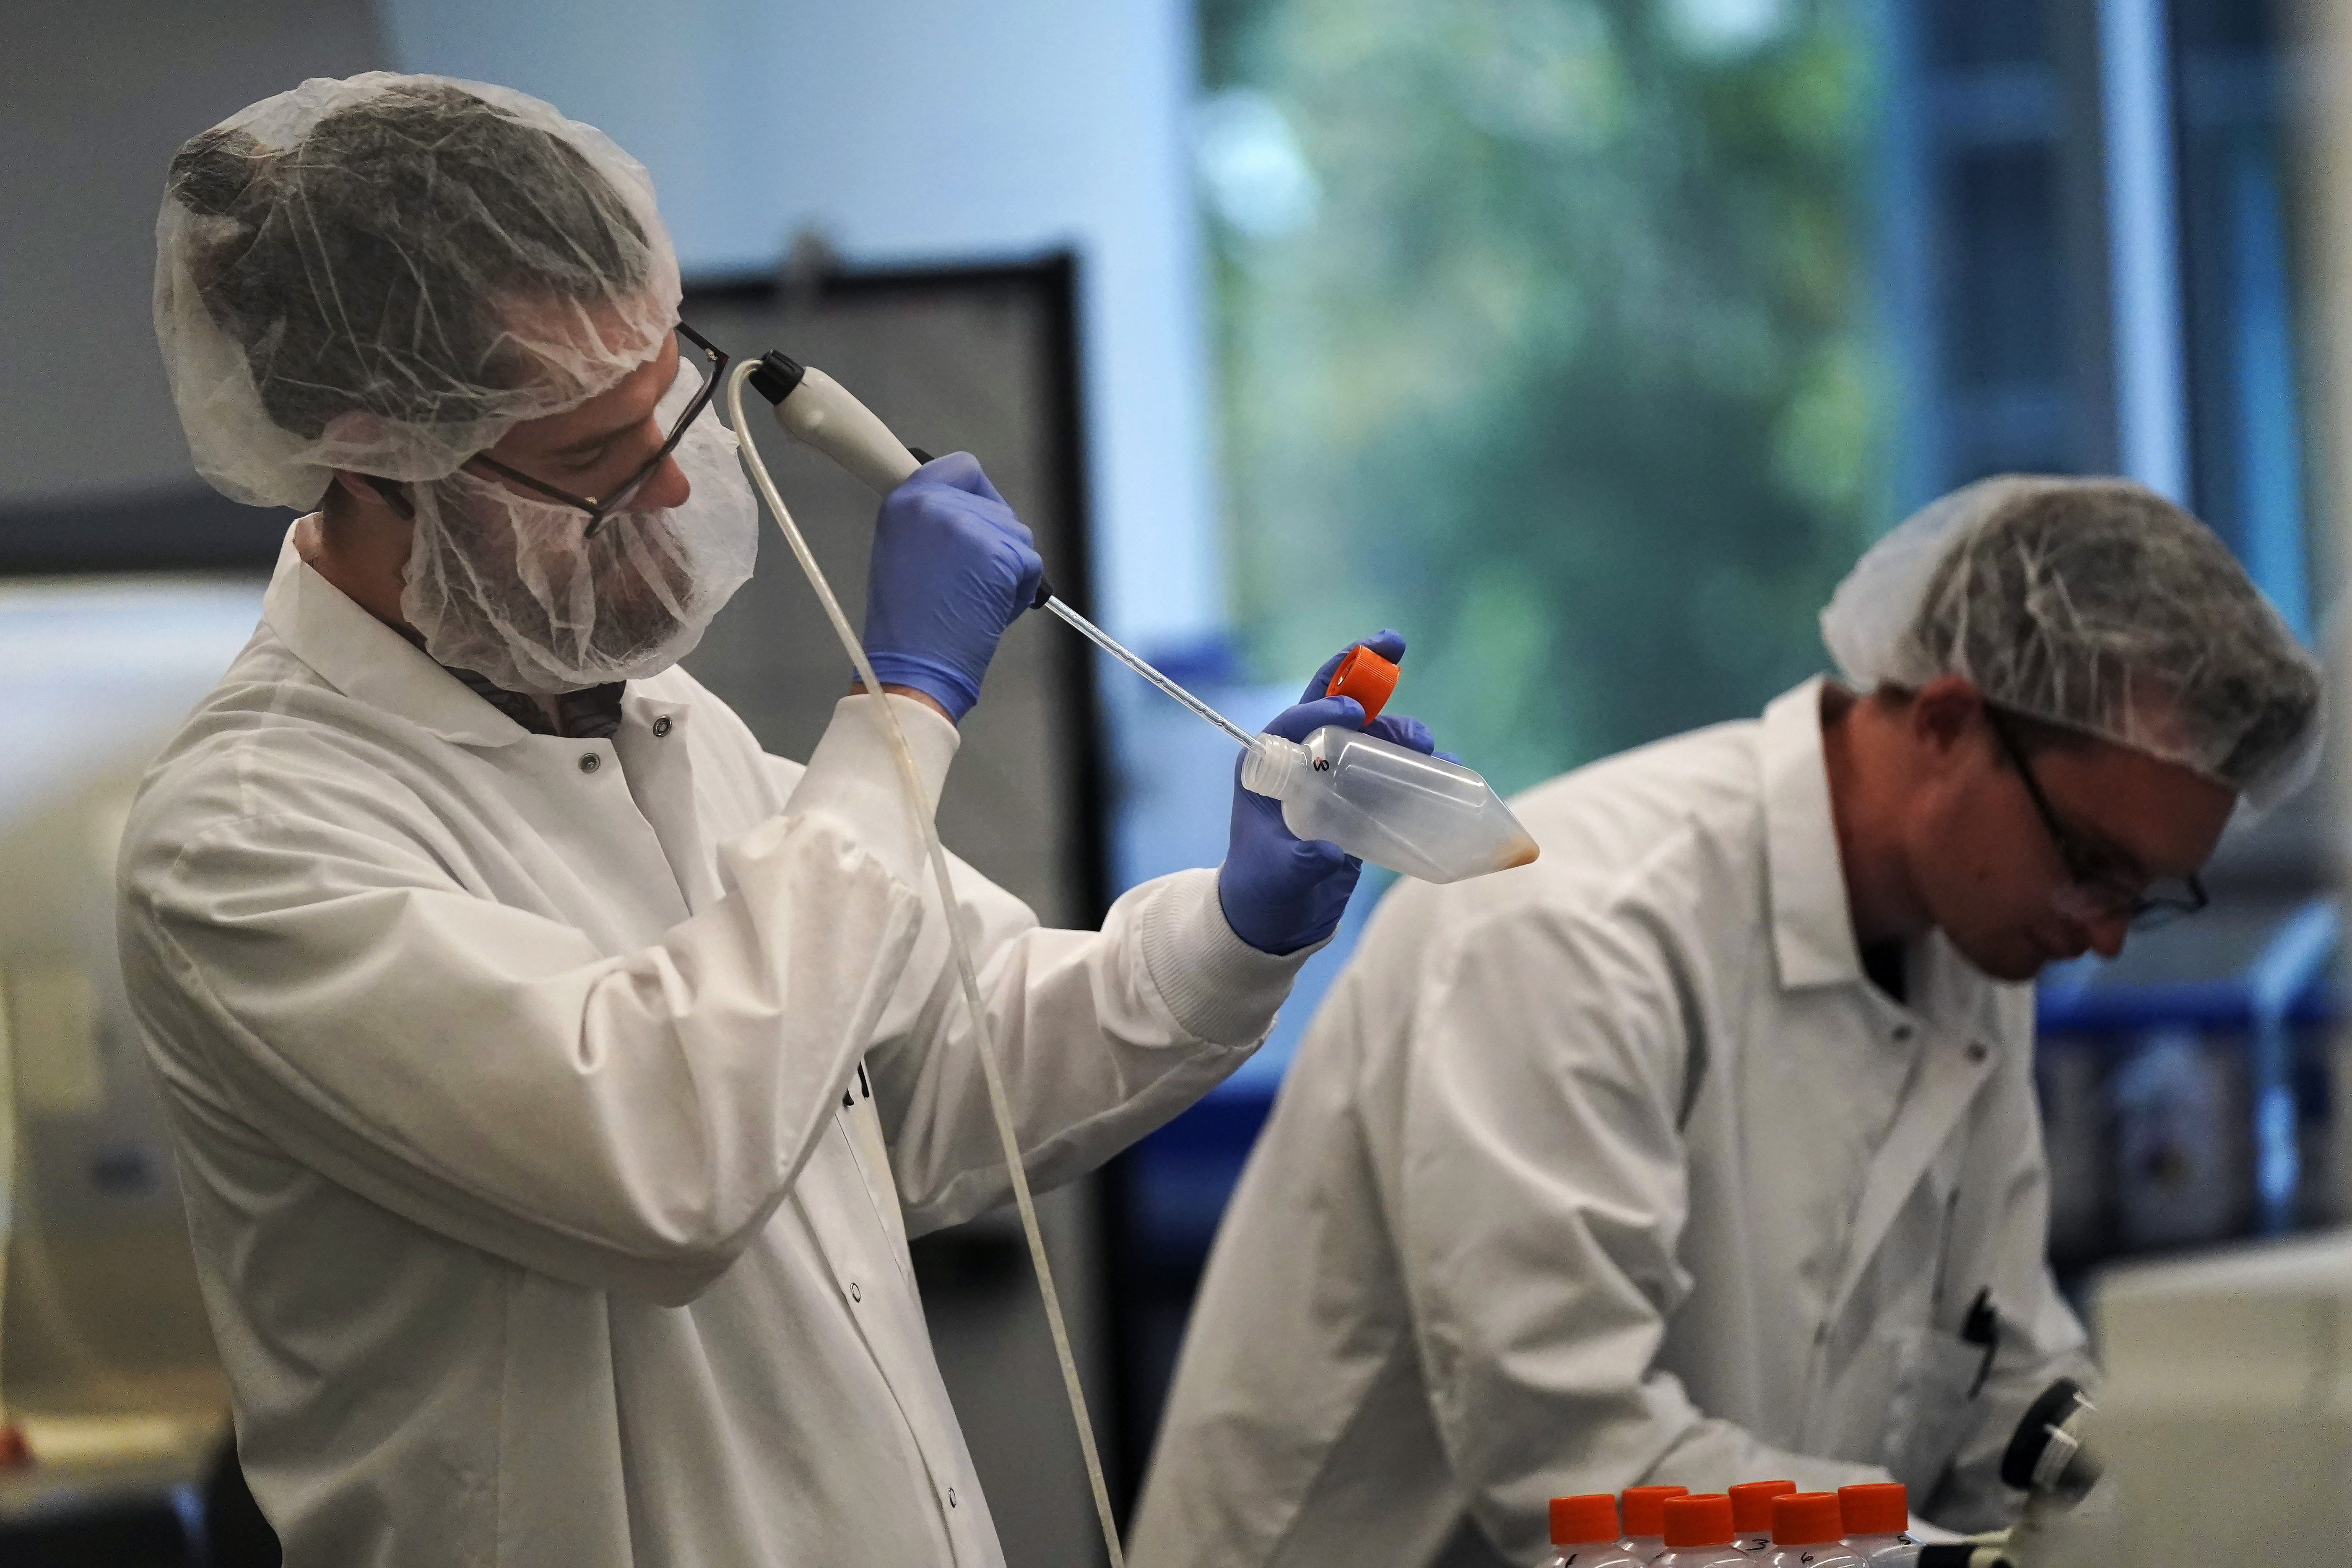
1751, 1505
1806, 1519
1366, 677
1875, 1508
15, 1453
1703, 1519
1643, 1506
1585, 1520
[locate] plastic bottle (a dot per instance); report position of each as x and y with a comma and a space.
1805, 1530
1584, 1533
1388, 804
1752, 1514
1646, 1519
1699, 1533
1878, 1523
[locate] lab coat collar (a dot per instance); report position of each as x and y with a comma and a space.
1812, 926
364, 659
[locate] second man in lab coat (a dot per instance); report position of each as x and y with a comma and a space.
1704, 1150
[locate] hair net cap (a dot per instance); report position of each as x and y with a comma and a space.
2095, 604
385, 274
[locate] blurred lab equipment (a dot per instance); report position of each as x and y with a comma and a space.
106, 1361
2047, 1457
2068, 1520
2188, 1087
2224, 1381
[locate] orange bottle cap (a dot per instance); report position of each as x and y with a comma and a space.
1643, 1505
1806, 1519
15, 1453
1703, 1519
1875, 1508
1584, 1521
1751, 1505
1366, 677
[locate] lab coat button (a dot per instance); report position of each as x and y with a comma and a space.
1903, 1033
590, 763
1977, 1051
951, 1502
855, 1293
661, 727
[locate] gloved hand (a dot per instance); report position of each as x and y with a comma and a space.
1281, 892
952, 568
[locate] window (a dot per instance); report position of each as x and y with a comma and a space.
1545, 330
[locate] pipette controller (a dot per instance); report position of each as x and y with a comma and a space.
1395, 806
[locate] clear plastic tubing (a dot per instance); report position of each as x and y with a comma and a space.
841, 426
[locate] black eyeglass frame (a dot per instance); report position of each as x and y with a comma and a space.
2146, 910
598, 510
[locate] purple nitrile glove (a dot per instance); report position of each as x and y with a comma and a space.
1281, 892
952, 568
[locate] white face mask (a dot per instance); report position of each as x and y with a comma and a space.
513, 588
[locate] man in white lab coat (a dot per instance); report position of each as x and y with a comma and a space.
556, 1078
1704, 1150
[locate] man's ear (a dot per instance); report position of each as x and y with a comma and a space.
394, 494
372, 489
1944, 714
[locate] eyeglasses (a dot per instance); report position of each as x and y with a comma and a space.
2097, 889
598, 510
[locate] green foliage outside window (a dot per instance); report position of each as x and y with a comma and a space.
1545, 336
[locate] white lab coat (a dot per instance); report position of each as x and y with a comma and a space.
1612, 1170
543, 1211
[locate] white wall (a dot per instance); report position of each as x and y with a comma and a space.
920, 130
95, 97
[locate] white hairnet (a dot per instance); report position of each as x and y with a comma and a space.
518, 589
385, 274
2095, 604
